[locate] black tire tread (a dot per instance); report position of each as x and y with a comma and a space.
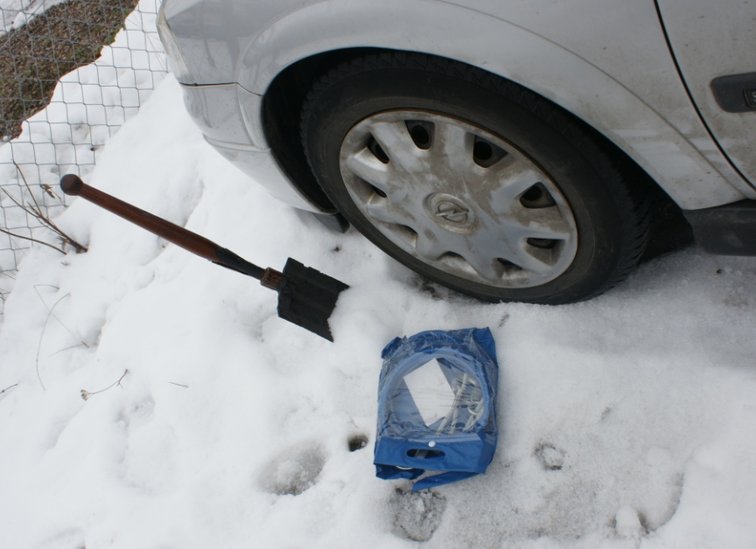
631, 200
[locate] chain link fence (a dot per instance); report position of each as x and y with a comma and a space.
62, 96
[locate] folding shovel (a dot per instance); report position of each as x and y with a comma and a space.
306, 297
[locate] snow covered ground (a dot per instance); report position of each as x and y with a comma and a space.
627, 421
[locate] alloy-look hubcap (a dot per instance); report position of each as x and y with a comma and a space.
459, 198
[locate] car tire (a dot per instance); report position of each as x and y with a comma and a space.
471, 180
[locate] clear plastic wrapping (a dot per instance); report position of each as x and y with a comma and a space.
436, 406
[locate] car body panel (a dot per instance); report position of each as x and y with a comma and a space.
222, 112
731, 25
589, 66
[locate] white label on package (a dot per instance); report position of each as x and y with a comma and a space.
431, 391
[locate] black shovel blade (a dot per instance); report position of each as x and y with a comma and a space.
307, 297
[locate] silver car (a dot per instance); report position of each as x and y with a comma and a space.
507, 149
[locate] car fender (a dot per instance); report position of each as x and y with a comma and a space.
684, 162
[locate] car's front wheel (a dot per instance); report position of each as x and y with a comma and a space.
471, 181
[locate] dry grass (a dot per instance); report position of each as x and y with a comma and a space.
35, 56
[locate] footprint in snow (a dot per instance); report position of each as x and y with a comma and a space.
357, 442
550, 457
417, 514
628, 523
294, 471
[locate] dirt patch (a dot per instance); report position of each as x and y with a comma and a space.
35, 56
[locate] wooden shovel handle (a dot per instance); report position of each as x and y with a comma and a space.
199, 245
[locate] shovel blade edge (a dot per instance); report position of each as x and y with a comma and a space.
308, 297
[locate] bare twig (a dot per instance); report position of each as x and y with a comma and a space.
49, 191
44, 218
4, 292
51, 314
53, 286
9, 388
36, 211
14, 235
42, 336
26, 183
39, 216
86, 394
70, 347
179, 385
59, 321
14, 199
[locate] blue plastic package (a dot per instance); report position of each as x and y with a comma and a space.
436, 406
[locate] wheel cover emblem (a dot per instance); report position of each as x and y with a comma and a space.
450, 212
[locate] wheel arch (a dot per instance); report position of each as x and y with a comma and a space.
284, 98
299, 47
